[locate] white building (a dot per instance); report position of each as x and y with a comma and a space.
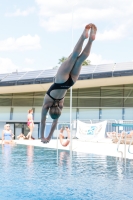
102, 92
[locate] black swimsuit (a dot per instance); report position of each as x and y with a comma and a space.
66, 85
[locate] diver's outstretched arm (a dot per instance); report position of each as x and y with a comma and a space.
43, 120
53, 127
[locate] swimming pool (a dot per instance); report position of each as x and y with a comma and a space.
28, 172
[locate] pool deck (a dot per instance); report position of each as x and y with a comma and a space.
103, 147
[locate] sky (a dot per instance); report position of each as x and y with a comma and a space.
35, 34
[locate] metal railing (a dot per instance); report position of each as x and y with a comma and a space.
129, 150
124, 126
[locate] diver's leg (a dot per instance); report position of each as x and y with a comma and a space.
77, 67
66, 67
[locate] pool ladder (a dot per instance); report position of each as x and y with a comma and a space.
130, 145
119, 142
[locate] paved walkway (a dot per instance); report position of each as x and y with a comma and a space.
105, 147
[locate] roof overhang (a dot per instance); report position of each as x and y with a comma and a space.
88, 83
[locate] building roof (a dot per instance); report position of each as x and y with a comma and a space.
91, 76
87, 72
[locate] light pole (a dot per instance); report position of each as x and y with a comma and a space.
71, 87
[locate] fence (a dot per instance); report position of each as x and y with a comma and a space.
109, 127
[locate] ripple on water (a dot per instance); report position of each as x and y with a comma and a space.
29, 172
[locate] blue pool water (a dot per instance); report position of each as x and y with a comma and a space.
28, 172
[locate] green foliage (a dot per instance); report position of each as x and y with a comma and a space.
86, 62
61, 60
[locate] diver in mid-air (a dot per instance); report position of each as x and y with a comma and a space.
66, 77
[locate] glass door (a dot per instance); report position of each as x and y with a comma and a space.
35, 130
18, 129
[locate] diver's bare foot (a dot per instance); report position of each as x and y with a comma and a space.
93, 32
86, 30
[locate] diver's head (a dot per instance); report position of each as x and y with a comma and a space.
54, 110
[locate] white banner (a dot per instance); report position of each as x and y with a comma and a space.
91, 131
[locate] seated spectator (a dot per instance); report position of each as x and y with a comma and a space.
129, 134
115, 136
7, 135
21, 136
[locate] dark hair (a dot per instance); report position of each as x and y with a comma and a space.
54, 110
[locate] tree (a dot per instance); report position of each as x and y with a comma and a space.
56, 67
86, 62
61, 60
